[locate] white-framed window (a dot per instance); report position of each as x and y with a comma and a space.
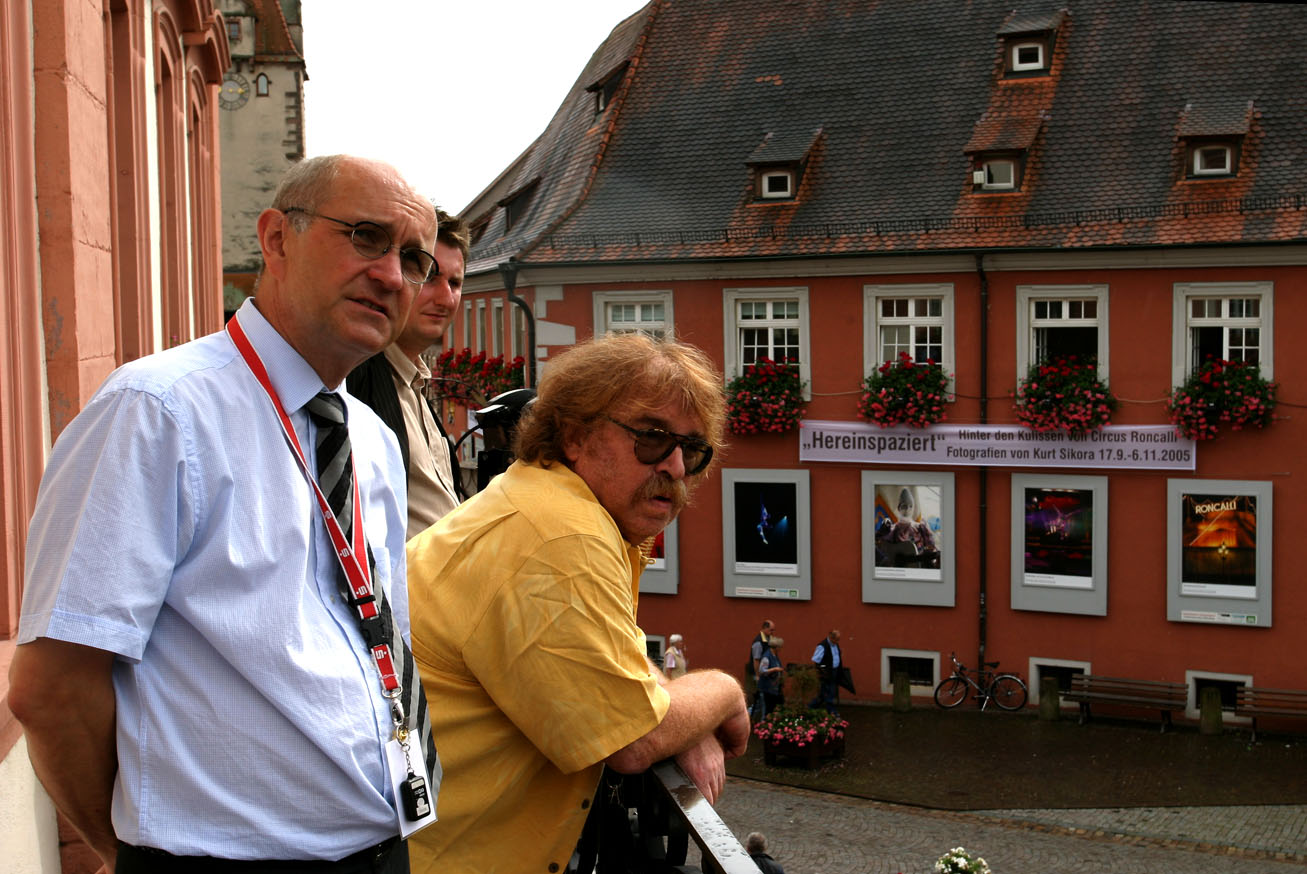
1027, 56
481, 326
999, 174
1226, 684
766, 323
1057, 321
916, 319
776, 184
1212, 160
1226, 320
519, 336
497, 326
921, 666
467, 324
1062, 669
625, 311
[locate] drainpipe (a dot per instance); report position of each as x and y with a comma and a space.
508, 272
984, 470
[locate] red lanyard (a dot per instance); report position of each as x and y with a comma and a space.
356, 571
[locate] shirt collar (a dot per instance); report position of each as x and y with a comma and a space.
295, 381
405, 366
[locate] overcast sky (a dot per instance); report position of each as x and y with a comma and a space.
449, 91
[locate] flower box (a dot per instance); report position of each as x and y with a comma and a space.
766, 398
810, 753
1232, 392
1064, 394
905, 392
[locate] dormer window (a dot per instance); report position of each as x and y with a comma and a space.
1212, 159
1212, 132
779, 162
1028, 56
1028, 44
776, 184
516, 204
997, 174
606, 87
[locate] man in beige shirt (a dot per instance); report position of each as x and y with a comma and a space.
393, 382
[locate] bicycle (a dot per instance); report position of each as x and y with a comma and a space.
1005, 690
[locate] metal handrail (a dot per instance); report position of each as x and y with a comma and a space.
645, 822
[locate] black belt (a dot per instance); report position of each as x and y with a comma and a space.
151, 859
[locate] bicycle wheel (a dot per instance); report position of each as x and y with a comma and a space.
1008, 692
951, 692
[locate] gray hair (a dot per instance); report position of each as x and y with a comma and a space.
755, 843
674, 639
306, 185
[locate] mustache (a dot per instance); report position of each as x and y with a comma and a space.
661, 486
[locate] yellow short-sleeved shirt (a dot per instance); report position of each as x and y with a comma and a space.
522, 605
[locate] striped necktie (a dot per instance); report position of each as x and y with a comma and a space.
336, 479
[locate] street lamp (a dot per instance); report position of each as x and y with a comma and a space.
508, 272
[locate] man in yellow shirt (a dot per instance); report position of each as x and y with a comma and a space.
523, 611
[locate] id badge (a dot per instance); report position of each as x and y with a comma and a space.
415, 796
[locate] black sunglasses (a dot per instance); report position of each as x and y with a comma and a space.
652, 445
372, 241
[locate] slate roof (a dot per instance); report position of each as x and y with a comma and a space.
887, 98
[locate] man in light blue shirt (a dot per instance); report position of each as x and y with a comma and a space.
827, 659
190, 678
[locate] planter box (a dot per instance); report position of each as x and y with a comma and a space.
809, 754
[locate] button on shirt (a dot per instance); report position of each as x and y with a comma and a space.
174, 528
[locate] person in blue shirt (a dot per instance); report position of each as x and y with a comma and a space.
827, 659
190, 678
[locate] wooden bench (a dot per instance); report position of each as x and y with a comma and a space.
1253, 702
1166, 697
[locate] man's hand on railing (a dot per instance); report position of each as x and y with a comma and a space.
705, 764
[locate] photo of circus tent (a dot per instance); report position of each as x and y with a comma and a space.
1059, 531
1219, 553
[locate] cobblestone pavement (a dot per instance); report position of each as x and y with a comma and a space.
817, 833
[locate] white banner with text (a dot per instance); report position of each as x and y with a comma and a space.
1137, 447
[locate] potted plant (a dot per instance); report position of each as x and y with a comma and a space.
1064, 394
800, 732
1222, 391
766, 398
905, 392
959, 861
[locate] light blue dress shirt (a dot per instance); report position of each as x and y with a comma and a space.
174, 528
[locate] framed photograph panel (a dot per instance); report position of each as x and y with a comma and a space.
663, 576
1218, 552
766, 534
1059, 544
908, 538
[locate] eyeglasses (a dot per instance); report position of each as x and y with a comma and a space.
372, 241
652, 445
